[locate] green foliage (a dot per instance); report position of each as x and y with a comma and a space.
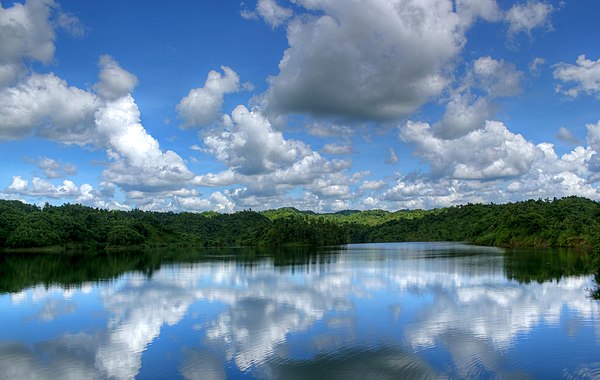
567, 222
37, 229
122, 234
301, 230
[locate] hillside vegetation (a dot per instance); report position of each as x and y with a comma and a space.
566, 222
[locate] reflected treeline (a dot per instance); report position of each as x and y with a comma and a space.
595, 290
22, 271
542, 265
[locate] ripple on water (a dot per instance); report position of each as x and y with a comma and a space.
587, 371
354, 363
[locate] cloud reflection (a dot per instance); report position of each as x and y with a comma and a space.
471, 310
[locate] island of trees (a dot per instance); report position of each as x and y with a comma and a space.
566, 222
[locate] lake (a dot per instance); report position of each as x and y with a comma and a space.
394, 310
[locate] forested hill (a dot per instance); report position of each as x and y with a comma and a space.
566, 222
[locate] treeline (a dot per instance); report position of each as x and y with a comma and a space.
566, 222
25, 226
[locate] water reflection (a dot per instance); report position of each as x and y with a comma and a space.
380, 310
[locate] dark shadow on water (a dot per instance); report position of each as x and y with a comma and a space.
542, 265
25, 270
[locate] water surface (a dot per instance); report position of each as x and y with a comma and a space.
402, 310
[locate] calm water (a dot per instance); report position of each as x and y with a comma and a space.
410, 310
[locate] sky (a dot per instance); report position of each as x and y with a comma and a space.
321, 105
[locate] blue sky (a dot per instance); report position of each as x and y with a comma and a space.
315, 104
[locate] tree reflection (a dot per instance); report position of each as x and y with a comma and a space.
595, 291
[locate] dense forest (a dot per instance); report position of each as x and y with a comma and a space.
566, 222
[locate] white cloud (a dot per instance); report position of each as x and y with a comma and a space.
321, 129
534, 65
373, 185
48, 106
593, 136
38, 103
252, 146
217, 201
359, 62
492, 165
268, 167
463, 114
25, 33
470, 10
71, 25
491, 152
585, 75
497, 78
273, 13
421, 193
138, 161
337, 149
18, 184
593, 139
114, 81
466, 112
523, 18
391, 158
45, 189
565, 135
54, 169
202, 105
330, 188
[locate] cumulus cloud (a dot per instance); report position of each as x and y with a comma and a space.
491, 165
359, 62
491, 152
217, 201
471, 10
270, 11
523, 18
412, 192
25, 34
465, 111
54, 169
497, 78
45, 189
252, 146
137, 160
584, 75
337, 149
70, 24
42, 104
463, 114
202, 105
321, 129
565, 135
593, 139
267, 166
373, 185
47, 106
114, 81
